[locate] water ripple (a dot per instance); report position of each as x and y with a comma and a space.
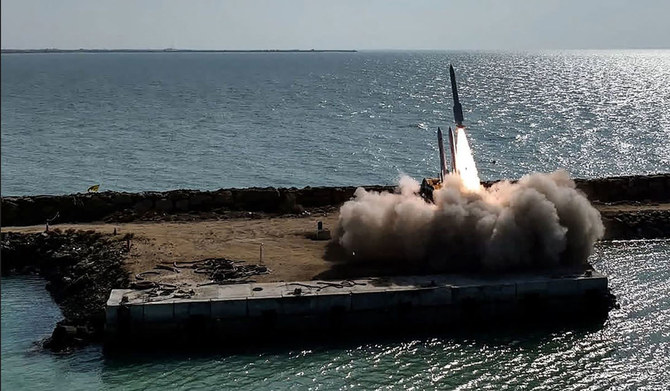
164, 121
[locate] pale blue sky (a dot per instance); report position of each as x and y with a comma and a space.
336, 24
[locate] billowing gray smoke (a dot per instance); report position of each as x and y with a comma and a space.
539, 222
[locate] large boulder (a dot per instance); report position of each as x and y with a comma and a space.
222, 199
314, 196
257, 199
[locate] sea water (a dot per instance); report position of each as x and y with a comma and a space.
162, 121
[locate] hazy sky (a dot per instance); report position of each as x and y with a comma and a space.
331, 24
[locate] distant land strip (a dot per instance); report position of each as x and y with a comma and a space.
177, 51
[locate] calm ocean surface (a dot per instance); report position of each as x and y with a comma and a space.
160, 121
156, 121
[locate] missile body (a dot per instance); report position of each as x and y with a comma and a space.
443, 158
458, 110
458, 117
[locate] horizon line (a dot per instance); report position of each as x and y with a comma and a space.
168, 50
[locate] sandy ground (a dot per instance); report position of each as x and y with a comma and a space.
288, 251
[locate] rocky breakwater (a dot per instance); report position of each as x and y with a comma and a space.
631, 207
119, 206
639, 188
81, 268
123, 207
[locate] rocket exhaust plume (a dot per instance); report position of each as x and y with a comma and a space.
540, 222
465, 162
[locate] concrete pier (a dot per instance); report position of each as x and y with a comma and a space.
228, 313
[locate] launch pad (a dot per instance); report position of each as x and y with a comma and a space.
228, 314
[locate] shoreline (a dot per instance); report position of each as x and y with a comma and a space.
80, 269
49, 51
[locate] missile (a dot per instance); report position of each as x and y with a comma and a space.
443, 158
452, 146
458, 110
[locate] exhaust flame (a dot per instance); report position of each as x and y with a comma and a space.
466, 162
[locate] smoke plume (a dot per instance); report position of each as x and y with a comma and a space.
540, 222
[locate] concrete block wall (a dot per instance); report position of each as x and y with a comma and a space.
239, 310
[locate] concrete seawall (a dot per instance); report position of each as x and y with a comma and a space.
87, 207
224, 314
